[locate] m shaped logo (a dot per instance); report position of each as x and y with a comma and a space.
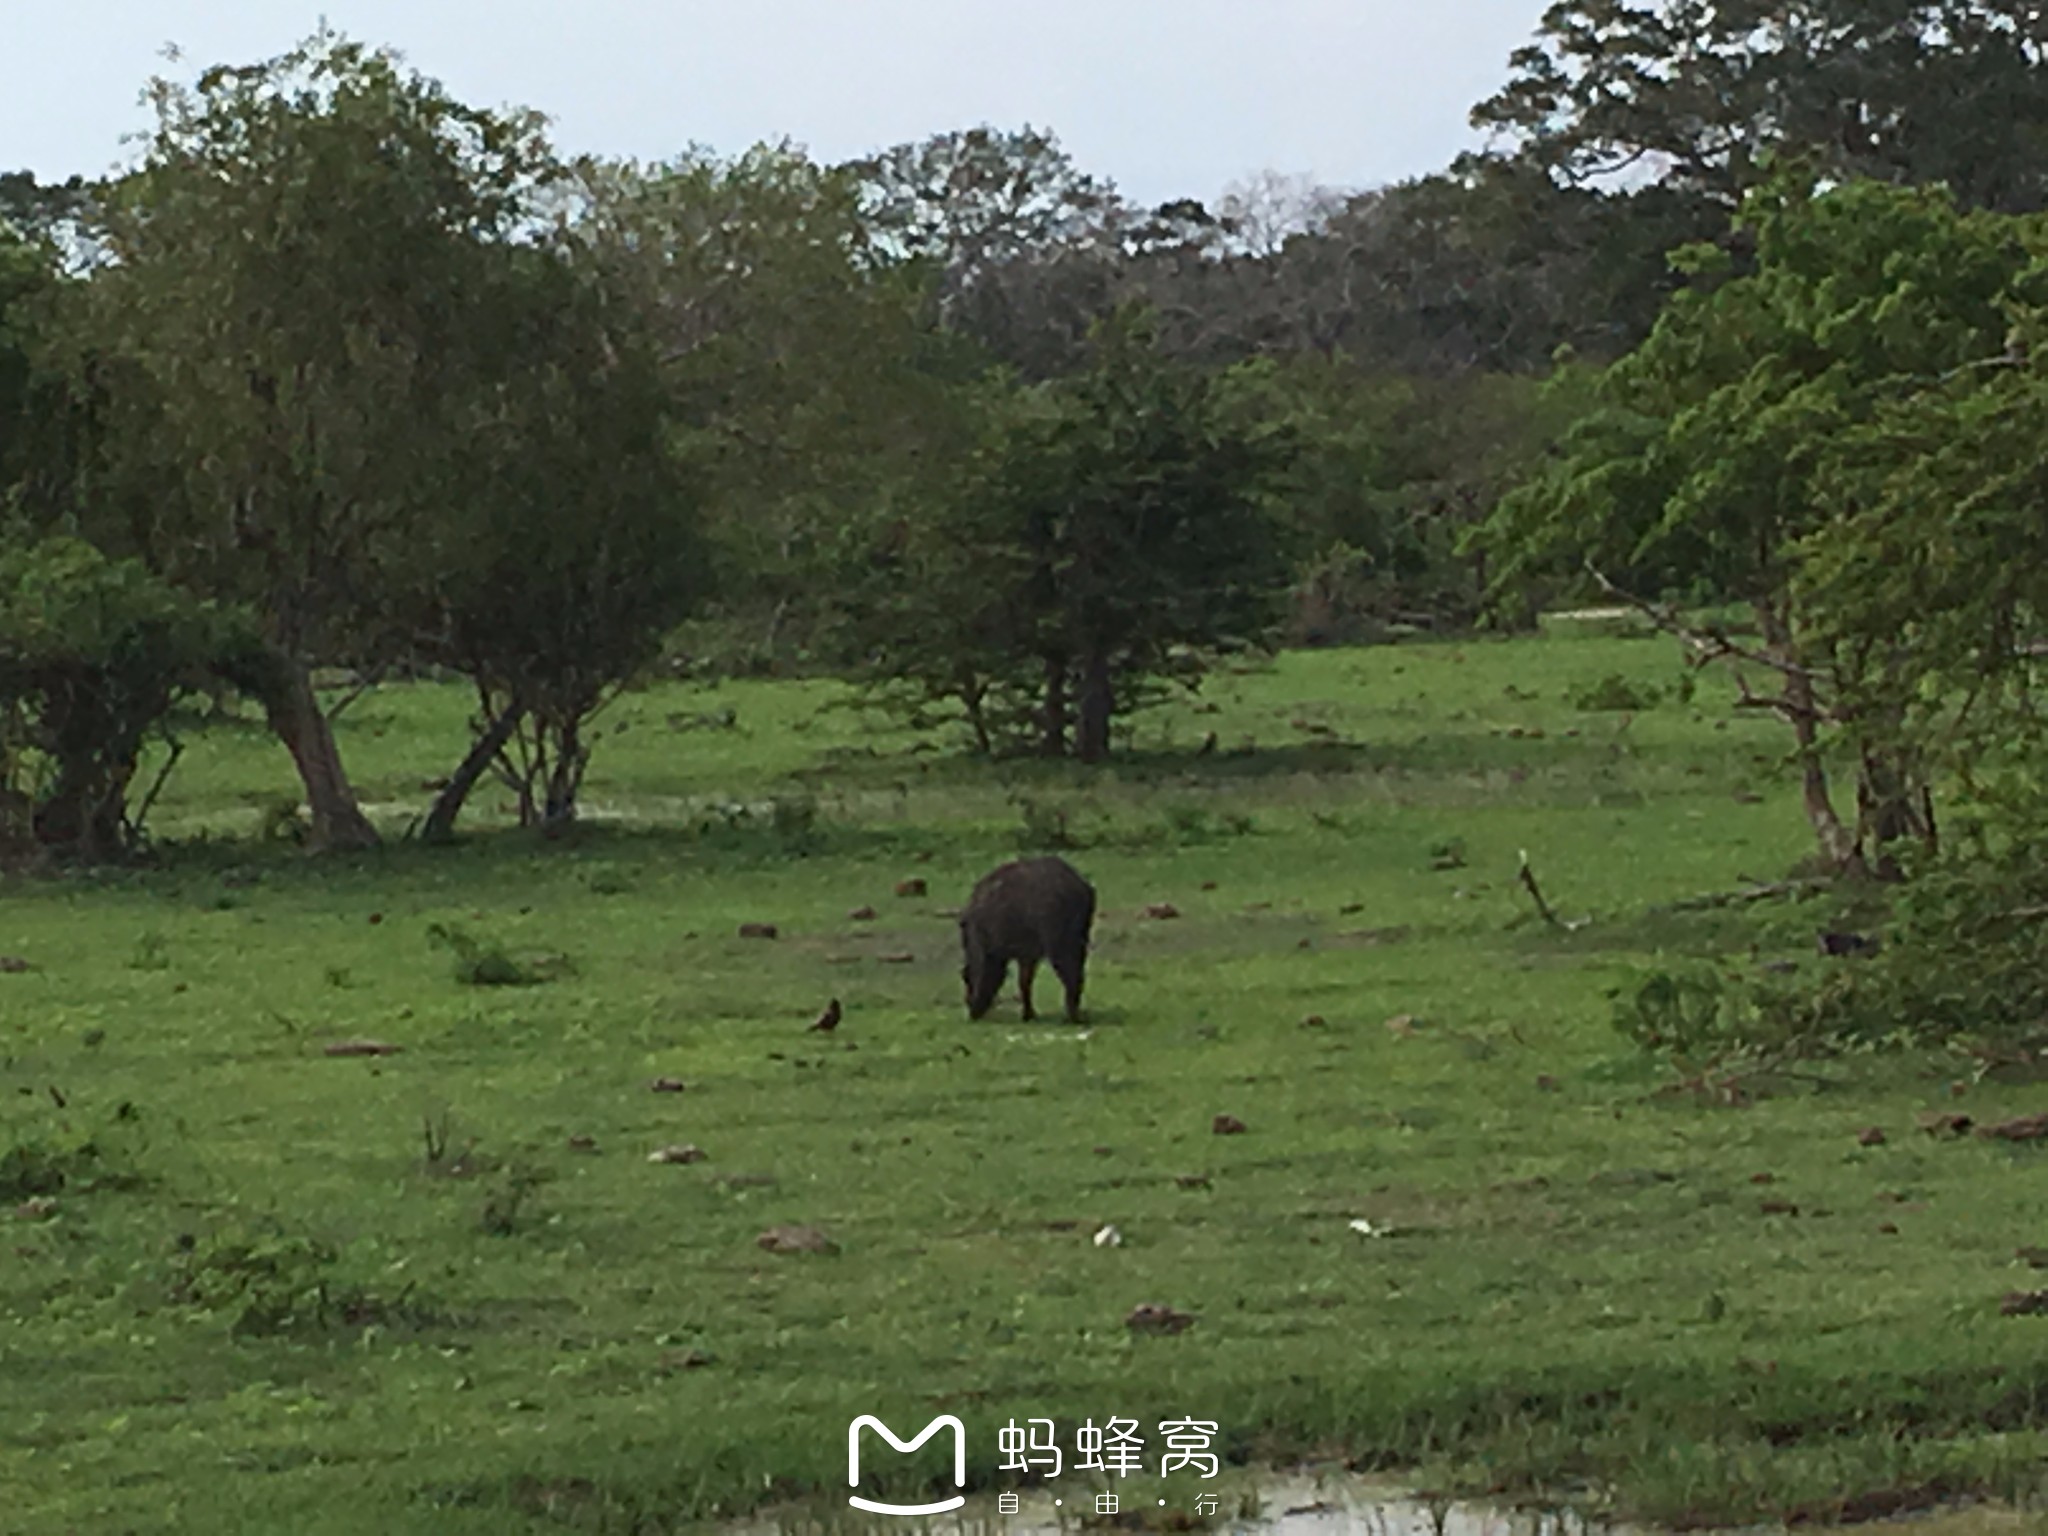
943, 1421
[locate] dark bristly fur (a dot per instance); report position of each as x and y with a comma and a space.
1032, 910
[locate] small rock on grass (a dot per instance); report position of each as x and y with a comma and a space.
666, 1085
2024, 1304
1227, 1125
688, 1152
1157, 1317
861, 915
912, 887
12, 965
796, 1239
758, 930
360, 1048
1873, 1137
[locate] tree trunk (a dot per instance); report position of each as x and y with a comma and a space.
81, 816
1053, 724
295, 715
1838, 845
1892, 806
440, 823
571, 758
1098, 703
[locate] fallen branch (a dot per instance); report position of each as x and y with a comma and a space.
1528, 878
1771, 892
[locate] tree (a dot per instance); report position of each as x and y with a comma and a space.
1695, 92
1385, 476
284, 321
803, 382
589, 553
1017, 247
1774, 438
1110, 537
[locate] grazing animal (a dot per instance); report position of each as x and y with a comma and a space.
1028, 911
829, 1019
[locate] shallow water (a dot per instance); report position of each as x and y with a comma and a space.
1281, 1504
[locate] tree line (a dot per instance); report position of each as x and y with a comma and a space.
345, 377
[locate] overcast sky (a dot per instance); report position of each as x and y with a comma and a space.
1168, 98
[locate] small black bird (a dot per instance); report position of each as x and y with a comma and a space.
829, 1019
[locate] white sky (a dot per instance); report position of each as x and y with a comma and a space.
1168, 98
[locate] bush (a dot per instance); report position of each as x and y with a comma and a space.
95, 656
1615, 692
479, 963
1964, 962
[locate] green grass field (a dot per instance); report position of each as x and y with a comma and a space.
446, 1290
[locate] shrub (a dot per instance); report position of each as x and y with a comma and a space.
479, 963
95, 657
1615, 692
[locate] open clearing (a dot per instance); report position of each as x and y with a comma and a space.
470, 1303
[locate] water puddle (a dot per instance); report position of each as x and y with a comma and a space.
1303, 1503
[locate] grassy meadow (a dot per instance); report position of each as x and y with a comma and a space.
246, 1286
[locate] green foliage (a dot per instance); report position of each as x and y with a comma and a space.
1964, 962
95, 654
1615, 691
1111, 538
1840, 438
1898, 90
482, 963
48, 1148
263, 1282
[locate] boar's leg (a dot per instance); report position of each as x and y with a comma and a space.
1072, 971
1026, 969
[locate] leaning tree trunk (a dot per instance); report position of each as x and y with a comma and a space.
1098, 704
440, 823
295, 715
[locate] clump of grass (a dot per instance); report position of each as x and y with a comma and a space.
481, 963
1191, 824
506, 1203
270, 1282
787, 824
1045, 825
1615, 692
282, 820
61, 1156
151, 953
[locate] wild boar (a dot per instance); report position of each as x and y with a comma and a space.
1028, 911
